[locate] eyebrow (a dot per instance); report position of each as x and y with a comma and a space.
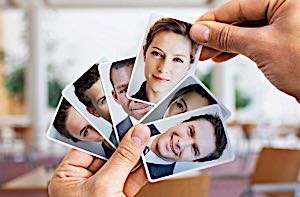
82, 130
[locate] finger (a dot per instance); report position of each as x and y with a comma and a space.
127, 154
96, 165
135, 181
75, 164
78, 158
224, 57
237, 11
208, 53
228, 38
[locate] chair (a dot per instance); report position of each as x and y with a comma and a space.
276, 173
181, 187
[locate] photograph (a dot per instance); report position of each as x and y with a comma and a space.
167, 54
187, 142
87, 96
70, 128
189, 94
124, 112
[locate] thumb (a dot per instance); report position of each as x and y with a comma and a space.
127, 154
224, 37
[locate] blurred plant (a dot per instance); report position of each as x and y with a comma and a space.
15, 84
242, 100
16, 64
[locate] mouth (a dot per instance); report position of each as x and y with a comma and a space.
161, 79
142, 107
172, 145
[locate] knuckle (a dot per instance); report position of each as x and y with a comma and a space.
223, 37
126, 153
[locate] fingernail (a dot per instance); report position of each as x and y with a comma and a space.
140, 134
200, 32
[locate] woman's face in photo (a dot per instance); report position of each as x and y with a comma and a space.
167, 60
186, 102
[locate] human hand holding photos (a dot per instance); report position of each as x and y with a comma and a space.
272, 41
80, 174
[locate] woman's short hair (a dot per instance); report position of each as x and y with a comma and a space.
175, 26
193, 88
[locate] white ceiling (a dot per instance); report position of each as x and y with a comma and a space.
8, 4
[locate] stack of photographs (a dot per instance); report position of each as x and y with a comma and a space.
157, 87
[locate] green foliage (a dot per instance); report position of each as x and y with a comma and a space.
241, 99
15, 84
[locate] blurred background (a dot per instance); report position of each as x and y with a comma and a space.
46, 44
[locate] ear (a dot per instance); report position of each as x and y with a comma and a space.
92, 111
115, 96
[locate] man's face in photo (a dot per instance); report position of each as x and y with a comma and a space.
186, 141
81, 129
96, 94
120, 78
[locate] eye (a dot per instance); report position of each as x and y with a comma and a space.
195, 150
176, 59
103, 101
124, 90
155, 53
86, 132
180, 105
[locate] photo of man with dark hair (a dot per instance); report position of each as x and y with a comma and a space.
89, 91
199, 138
119, 75
70, 124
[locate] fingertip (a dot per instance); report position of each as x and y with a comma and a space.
200, 33
140, 134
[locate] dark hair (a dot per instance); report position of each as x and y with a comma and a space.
175, 26
193, 88
221, 140
60, 120
120, 64
85, 82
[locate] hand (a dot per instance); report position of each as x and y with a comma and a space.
81, 174
270, 38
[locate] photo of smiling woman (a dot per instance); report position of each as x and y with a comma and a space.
168, 55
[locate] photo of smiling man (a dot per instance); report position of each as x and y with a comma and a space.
186, 145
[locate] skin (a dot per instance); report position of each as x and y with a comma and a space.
167, 60
79, 128
120, 78
81, 174
185, 142
186, 102
77, 173
272, 42
96, 94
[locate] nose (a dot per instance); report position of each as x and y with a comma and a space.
165, 66
183, 143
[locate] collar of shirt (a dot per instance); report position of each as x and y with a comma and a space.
133, 120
